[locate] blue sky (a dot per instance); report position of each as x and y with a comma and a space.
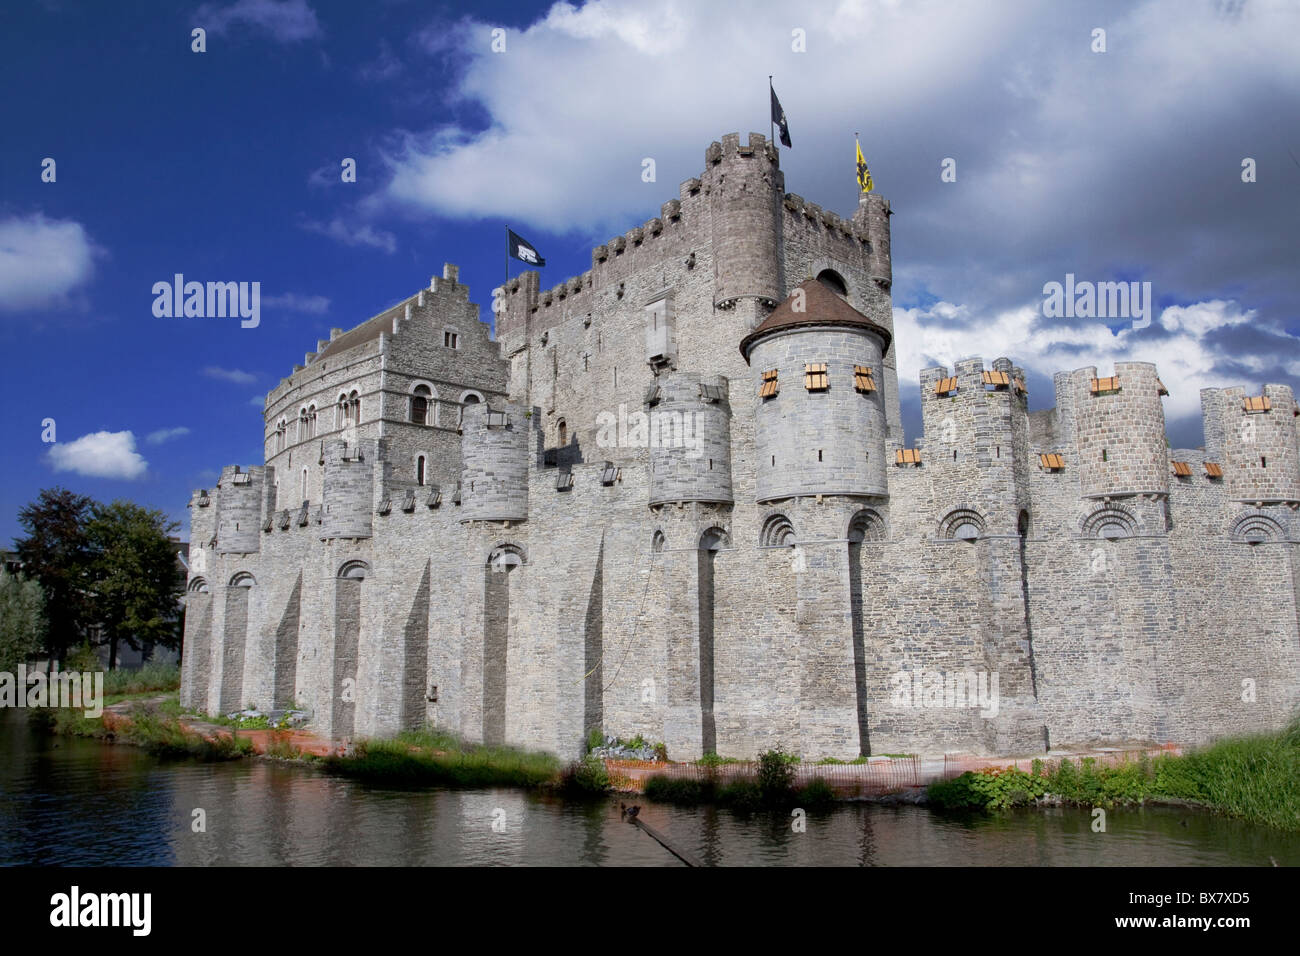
224, 166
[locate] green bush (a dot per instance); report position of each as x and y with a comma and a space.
82, 659
1253, 778
776, 774
585, 777
149, 678
744, 795
993, 788
816, 793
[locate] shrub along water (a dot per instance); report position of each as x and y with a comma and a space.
437, 757
1253, 778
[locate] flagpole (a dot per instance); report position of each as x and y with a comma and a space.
771, 120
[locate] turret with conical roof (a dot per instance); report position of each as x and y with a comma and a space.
820, 417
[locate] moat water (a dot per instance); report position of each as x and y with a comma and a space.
86, 803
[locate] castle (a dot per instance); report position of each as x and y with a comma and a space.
672, 498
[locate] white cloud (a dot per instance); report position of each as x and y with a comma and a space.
100, 455
42, 261
287, 21
1067, 160
258, 401
235, 375
292, 302
354, 235
166, 434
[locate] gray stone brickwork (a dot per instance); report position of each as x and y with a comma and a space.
469, 531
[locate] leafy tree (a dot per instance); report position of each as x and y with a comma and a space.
135, 578
22, 620
56, 552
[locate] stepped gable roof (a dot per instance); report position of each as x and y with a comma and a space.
367, 331
821, 307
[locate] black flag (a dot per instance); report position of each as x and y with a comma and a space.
778, 117
524, 251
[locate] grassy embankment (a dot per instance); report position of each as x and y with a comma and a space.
441, 758
154, 727
1255, 778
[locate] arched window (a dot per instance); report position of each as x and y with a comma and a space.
311, 421
1255, 528
199, 586
302, 487
471, 398
242, 580
1110, 521
777, 532
833, 281
419, 471
354, 570
505, 558
866, 525
713, 540
341, 411
658, 543
420, 405
961, 524
562, 433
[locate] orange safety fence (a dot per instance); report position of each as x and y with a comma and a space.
878, 776
954, 765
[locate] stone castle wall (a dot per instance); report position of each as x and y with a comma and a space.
556, 572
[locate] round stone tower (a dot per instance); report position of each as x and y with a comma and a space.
817, 377
239, 509
689, 438
745, 187
1119, 424
1259, 443
494, 470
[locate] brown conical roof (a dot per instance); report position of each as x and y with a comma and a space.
821, 306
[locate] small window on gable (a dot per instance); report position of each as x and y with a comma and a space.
770, 384
862, 379
450, 339
814, 376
